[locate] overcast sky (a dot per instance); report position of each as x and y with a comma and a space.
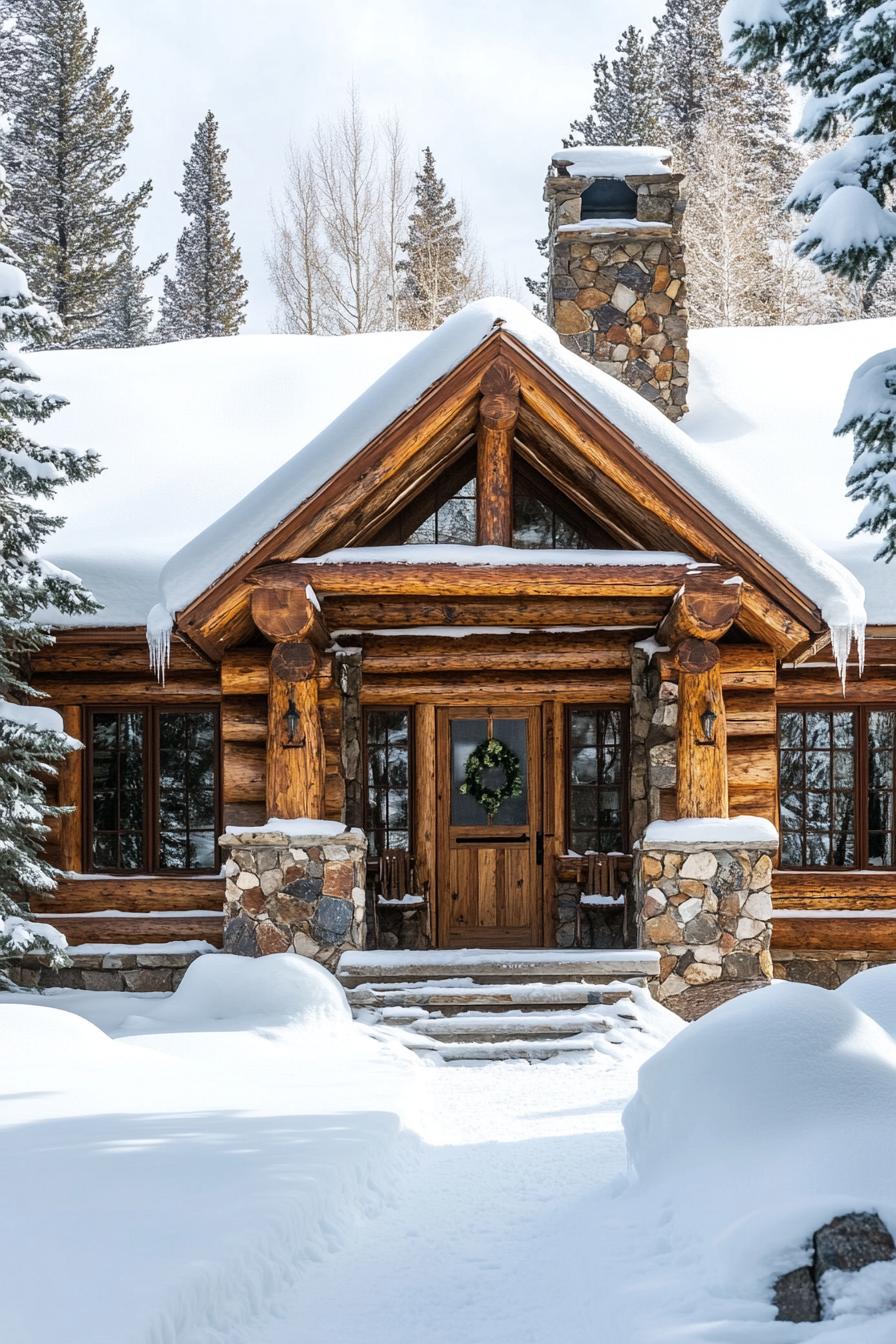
491, 85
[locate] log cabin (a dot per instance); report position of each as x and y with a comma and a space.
478, 614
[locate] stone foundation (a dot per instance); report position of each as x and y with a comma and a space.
707, 911
298, 893
829, 970
137, 973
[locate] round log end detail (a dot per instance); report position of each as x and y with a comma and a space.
696, 655
294, 662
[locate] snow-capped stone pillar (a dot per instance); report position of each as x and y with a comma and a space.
295, 887
616, 270
704, 896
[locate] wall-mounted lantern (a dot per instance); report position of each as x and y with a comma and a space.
708, 727
292, 720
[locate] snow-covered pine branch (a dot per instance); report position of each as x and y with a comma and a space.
841, 57
31, 738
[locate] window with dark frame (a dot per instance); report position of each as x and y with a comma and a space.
387, 803
152, 788
597, 779
837, 779
452, 523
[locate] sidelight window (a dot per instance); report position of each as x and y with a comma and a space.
152, 790
387, 742
597, 785
836, 772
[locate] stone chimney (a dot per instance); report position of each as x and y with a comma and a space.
616, 286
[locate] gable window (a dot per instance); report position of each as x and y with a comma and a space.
387, 757
540, 527
452, 523
837, 772
597, 779
152, 790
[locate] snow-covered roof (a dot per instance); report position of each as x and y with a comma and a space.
615, 160
203, 444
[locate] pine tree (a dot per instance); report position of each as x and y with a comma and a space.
206, 295
129, 311
841, 55
434, 283
30, 738
690, 65
625, 107
64, 147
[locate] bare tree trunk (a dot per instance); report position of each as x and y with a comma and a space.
296, 262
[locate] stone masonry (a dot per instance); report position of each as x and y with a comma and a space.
137, 972
299, 893
707, 911
616, 288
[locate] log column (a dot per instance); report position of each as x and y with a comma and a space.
702, 762
295, 774
498, 411
295, 769
704, 609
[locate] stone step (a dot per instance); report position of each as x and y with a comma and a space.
485, 1052
447, 997
506, 1026
499, 967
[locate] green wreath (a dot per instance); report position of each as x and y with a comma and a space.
487, 756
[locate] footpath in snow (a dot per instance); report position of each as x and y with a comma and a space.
240, 1163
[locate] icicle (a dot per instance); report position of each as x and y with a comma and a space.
158, 636
842, 637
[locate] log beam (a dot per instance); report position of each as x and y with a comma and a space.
295, 768
362, 613
289, 615
705, 607
383, 578
498, 410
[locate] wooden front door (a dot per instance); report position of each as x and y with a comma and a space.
489, 887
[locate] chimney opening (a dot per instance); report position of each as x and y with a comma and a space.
609, 198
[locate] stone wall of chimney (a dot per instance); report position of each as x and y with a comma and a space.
616, 289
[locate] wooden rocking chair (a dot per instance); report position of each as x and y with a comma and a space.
395, 887
606, 886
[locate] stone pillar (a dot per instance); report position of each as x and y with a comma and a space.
616, 288
707, 910
302, 893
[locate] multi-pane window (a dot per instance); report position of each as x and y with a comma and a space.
387, 737
837, 770
540, 527
452, 523
186, 755
118, 790
152, 790
597, 779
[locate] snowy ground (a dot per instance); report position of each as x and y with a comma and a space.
181, 1175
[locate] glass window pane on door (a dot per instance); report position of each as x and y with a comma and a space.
596, 767
187, 789
117, 788
466, 736
388, 798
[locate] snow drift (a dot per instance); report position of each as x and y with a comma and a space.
762, 1121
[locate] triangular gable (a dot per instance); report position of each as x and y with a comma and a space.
594, 433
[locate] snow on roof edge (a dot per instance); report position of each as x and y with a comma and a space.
615, 160
195, 567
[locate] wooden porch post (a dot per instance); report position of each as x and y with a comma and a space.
296, 764
295, 768
704, 609
498, 411
702, 762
